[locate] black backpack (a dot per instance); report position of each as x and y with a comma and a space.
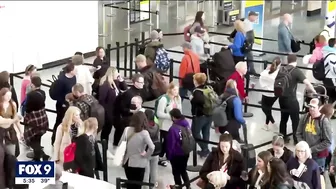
53, 93
188, 141
283, 80
319, 68
97, 111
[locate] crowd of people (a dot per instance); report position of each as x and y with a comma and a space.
90, 101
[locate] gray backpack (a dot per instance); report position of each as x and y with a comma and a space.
219, 116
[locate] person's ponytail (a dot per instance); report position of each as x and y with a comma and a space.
274, 66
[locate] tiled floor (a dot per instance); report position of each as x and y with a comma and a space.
303, 28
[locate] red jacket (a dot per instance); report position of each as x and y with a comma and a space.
240, 84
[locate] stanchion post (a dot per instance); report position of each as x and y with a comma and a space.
136, 46
118, 56
247, 90
104, 148
11, 79
143, 38
128, 18
265, 64
118, 183
194, 167
108, 54
171, 70
131, 60
125, 58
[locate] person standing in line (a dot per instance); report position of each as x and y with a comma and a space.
136, 157
101, 65
83, 74
238, 42
315, 129
248, 25
201, 122
64, 86
266, 80
175, 153
285, 36
30, 69
36, 119
288, 101
111, 86
199, 21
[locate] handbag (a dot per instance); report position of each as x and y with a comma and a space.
188, 80
121, 149
295, 45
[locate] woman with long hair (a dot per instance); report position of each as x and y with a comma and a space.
111, 85
233, 110
85, 155
224, 158
303, 168
279, 150
279, 177
9, 115
4, 83
199, 21
83, 74
259, 176
164, 105
238, 42
266, 80
139, 148
30, 69
101, 65
65, 132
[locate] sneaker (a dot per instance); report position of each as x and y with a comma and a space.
203, 153
109, 155
23, 143
163, 163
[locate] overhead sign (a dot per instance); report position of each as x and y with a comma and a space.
138, 16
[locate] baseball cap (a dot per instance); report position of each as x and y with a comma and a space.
199, 29
314, 103
252, 13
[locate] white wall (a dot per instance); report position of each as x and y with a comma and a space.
38, 32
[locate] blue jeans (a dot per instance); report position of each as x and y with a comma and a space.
183, 92
202, 125
321, 162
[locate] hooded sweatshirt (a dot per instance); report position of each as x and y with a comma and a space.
327, 50
316, 132
174, 140
150, 50
197, 45
317, 53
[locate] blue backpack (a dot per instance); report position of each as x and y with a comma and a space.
162, 61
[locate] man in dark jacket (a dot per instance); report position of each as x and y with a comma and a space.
154, 85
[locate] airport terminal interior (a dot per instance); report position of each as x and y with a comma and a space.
172, 18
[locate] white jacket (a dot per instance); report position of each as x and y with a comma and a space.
266, 81
84, 77
163, 109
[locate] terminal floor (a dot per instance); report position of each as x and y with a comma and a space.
256, 134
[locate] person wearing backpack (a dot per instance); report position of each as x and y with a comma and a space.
177, 154
315, 129
329, 81
58, 90
151, 47
163, 105
285, 86
233, 111
202, 119
154, 85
